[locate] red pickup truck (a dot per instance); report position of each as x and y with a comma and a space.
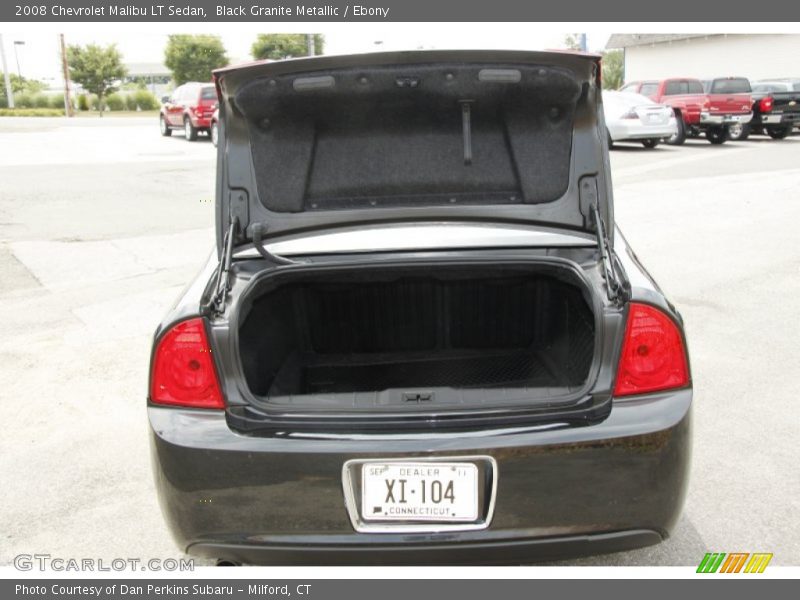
698, 111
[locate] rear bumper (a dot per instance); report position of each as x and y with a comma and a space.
725, 119
785, 119
622, 131
561, 492
508, 551
201, 122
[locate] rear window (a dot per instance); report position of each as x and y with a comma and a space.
648, 89
733, 85
208, 93
765, 88
675, 88
695, 87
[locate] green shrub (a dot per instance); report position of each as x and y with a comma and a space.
57, 101
83, 102
3, 102
23, 100
144, 100
115, 102
41, 101
30, 112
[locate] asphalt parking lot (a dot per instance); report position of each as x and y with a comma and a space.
103, 221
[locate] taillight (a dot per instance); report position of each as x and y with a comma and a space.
183, 370
765, 104
653, 357
630, 114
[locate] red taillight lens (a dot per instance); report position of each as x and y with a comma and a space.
653, 357
765, 104
183, 370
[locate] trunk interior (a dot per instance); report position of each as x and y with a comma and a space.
438, 336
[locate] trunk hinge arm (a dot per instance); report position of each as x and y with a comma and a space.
590, 207
223, 285
613, 285
258, 230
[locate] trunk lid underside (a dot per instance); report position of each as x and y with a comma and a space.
321, 143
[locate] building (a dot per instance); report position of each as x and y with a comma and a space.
155, 76
756, 56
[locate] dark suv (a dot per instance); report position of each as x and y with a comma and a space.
422, 338
189, 108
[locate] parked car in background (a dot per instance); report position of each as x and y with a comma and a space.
776, 109
189, 108
684, 96
635, 118
730, 104
422, 338
698, 111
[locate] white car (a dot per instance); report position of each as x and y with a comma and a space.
635, 118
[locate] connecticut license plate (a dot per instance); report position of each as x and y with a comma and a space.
430, 491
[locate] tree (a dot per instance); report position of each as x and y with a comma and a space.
572, 41
96, 68
20, 85
277, 46
613, 69
193, 57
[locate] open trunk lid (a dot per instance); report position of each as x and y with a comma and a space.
431, 136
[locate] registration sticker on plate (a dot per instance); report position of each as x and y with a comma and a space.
430, 491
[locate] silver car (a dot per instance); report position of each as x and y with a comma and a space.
636, 118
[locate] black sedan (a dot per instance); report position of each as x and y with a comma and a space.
422, 338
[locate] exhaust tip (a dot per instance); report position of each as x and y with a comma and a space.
221, 562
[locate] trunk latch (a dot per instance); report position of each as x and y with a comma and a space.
417, 397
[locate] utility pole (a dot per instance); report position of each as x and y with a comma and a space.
16, 56
310, 44
65, 69
9, 91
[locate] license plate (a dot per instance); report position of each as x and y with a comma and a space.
443, 492
655, 118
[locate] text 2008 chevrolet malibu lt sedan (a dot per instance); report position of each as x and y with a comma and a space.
422, 339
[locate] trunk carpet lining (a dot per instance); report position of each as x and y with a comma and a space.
409, 332
514, 368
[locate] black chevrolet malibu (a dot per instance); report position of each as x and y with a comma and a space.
422, 338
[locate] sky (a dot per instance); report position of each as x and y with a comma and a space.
39, 55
